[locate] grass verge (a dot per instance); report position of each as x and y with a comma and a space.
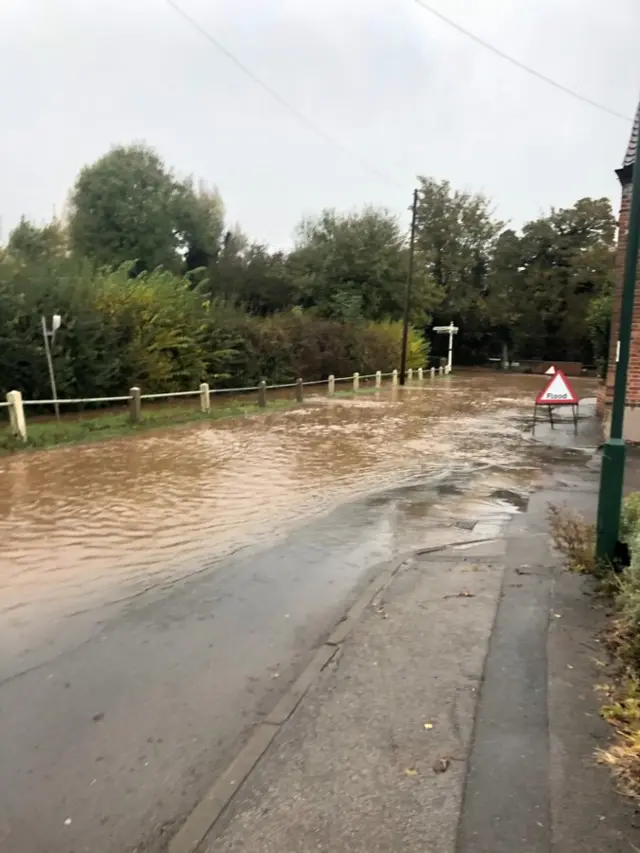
576, 540
99, 427
88, 427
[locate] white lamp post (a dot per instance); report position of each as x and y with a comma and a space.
451, 330
48, 336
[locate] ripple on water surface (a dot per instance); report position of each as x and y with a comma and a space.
82, 524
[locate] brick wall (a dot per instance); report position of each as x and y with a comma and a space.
633, 379
632, 400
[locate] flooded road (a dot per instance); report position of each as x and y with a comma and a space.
157, 592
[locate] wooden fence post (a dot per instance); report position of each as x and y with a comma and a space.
420, 374
410, 375
262, 394
331, 390
17, 419
378, 379
394, 378
299, 391
356, 381
135, 405
205, 397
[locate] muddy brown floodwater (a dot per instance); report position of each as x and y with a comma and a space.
159, 593
91, 523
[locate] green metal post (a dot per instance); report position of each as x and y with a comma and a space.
614, 454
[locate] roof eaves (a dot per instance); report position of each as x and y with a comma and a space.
632, 148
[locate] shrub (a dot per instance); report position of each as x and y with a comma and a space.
630, 518
574, 538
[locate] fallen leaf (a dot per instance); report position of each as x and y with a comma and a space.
410, 771
428, 726
441, 765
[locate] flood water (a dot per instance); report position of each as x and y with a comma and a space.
88, 524
159, 593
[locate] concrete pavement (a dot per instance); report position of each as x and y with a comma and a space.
115, 723
353, 768
459, 716
117, 720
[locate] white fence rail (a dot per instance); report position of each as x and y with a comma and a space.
16, 405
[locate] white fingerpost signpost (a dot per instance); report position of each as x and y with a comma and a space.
48, 343
450, 330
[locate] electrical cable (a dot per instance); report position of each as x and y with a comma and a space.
519, 64
278, 97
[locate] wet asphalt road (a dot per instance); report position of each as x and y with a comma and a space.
123, 726
116, 719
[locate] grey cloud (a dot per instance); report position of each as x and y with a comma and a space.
394, 85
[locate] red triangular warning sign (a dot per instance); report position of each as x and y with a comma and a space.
558, 392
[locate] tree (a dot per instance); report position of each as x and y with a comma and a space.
266, 286
505, 290
128, 207
455, 234
200, 224
568, 262
28, 243
599, 325
355, 266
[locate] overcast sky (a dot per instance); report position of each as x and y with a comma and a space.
402, 91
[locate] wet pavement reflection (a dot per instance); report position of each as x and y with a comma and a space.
84, 524
159, 593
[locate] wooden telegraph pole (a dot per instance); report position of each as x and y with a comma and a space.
407, 297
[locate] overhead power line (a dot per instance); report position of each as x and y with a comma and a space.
314, 126
521, 65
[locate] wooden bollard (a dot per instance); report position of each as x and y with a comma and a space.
394, 378
205, 397
17, 419
331, 387
356, 381
378, 379
410, 375
441, 370
135, 405
432, 373
262, 394
420, 374
299, 391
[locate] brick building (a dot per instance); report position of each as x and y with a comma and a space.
632, 408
